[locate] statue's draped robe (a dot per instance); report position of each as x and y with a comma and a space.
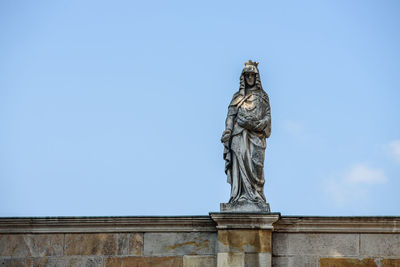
250, 117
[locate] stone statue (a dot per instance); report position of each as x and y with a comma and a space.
248, 124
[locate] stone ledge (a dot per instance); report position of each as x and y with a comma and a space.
285, 224
106, 224
308, 224
230, 220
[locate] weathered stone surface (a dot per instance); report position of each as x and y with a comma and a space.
251, 221
136, 224
13, 245
144, 262
295, 261
7, 262
245, 207
45, 262
318, 224
235, 259
77, 261
36, 245
287, 244
113, 262
104, 244
244, 240
199, 261
85, 261
179, 244
390, 263
257, 259
346, 262
380, 244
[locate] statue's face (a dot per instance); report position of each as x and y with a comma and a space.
250, 78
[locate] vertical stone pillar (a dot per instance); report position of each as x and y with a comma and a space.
244, 239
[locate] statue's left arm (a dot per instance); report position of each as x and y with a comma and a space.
267, 129
264, 125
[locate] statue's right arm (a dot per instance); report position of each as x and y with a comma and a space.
226, 135
229, 123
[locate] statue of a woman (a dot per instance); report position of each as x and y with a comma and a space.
248, 124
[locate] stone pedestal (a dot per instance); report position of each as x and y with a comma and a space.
259, 207
244, 239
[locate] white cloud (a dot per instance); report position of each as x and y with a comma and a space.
394, 147
354, 185
362, 174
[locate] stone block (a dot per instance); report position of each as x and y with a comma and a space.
257, 259
34, 245
332, 244
295, 261
380, 245
104, 244
144, 262
244, 240
45, 262
199, 261
235, 259
390, 262
8, 262
179, 244
86, 261
113, 262
245, 206
347, 262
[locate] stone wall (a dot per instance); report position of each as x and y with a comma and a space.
337, 241
216, 240
107, 249
319, 249
108, 241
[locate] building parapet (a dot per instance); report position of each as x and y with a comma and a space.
320, 224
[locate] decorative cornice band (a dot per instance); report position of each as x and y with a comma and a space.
284, 224
107, 224
308, 224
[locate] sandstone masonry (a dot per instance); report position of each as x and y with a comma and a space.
221, 239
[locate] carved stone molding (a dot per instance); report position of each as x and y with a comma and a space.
275, 222
107, 224
298, 224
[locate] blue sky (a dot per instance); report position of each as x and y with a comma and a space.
117, 107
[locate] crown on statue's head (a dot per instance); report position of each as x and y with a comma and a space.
251, 63
250, 67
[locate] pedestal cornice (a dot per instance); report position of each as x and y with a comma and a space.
229, 220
